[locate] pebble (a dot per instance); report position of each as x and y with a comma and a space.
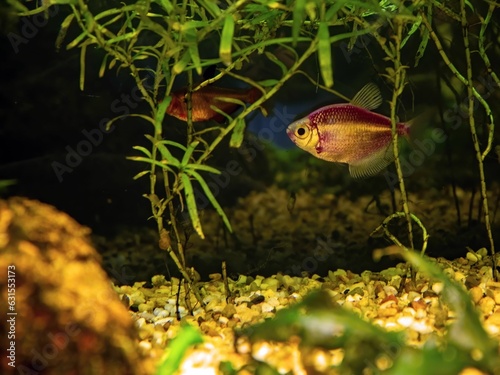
487, 304
476, 294
379, 297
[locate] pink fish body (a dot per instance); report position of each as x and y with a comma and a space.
349, 133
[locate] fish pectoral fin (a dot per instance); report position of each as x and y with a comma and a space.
369, 97
372, 164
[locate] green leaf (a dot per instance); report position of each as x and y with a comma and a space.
191, 204
298, 19
112, 121
414, 28
268, 82
143, 150
226, 40
140, 174
238, 133
188, 153
82, 65
325, 54
64, 29
333, 10
167, 5
423, 43
203, 167
193, 49
175, 144
76, 41
150, 161
180, 65
160, 114
165, 153
210, 197
211, 6
187, 337
277, 61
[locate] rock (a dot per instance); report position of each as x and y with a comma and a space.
68, 314
486, 305
476, 294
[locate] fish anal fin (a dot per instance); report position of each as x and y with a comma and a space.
372, 164
369, 97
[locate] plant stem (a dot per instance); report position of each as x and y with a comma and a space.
399, 77
477, 147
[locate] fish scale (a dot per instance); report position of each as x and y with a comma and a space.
349, 133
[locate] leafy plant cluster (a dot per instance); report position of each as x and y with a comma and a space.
158, 42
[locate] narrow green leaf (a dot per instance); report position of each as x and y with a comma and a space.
110, 122
187, 337
211, 6
140, 174
277, 61
414, 28
188, 153
143, 150
191, 204
64, 29
210, 197
268, 82
122, 37
82, 66
325, 54
298, 18
160, 113
332, 12
203, 167
227, 40
167, 5
150, 161
179, 66
190, 25
175, 144
165, 153
238, 134
192, 40
102, 69
76, 41
423, 43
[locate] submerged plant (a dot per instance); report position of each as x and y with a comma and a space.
160, 41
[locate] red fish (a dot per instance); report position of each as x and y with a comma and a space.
208, 96
350, 133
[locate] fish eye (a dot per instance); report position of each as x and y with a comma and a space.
301, 132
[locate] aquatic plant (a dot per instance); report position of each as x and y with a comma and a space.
158, 42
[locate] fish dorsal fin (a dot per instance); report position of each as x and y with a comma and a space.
368, 97
372, 164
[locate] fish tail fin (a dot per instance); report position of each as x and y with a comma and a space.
416, 128
253, 94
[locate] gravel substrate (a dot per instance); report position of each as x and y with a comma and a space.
386, 298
